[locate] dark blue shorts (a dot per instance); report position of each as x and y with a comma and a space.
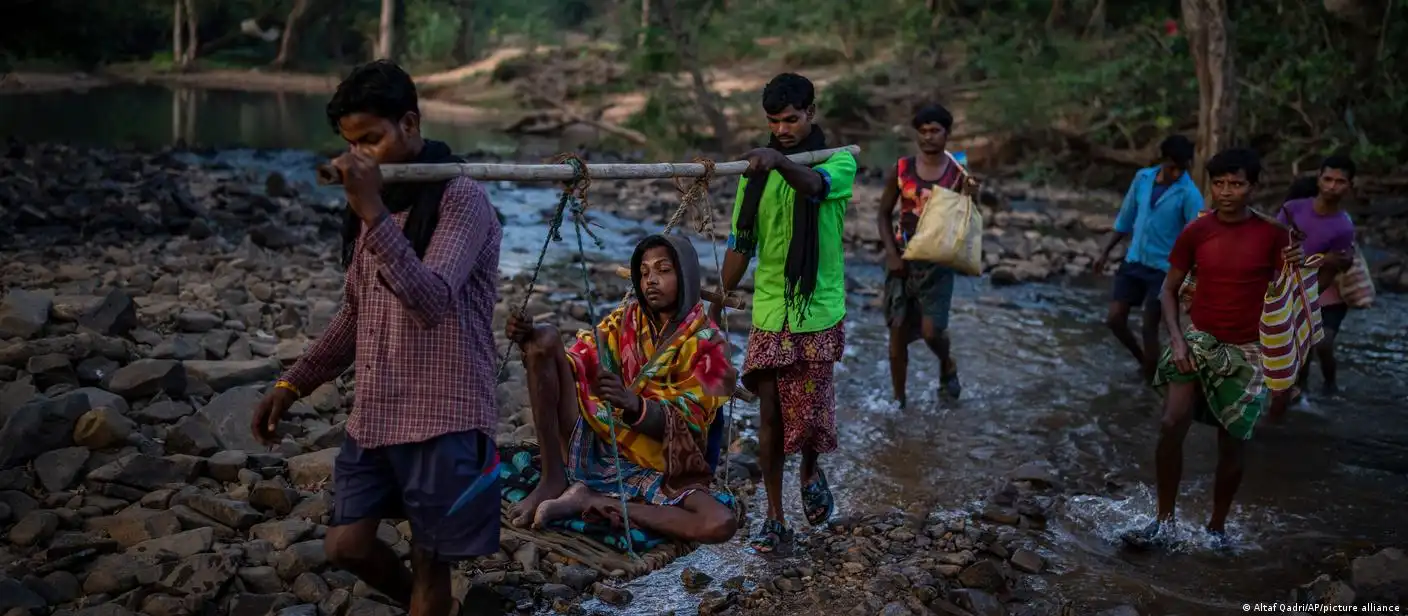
421, 482
1137, 284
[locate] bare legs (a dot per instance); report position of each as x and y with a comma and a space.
699, 518
1178, 416
552, 393
1146, 354
354, 547
900, 338
770, 444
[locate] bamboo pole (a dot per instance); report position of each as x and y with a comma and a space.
414, 172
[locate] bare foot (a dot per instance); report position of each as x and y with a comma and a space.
572, 502
524, 510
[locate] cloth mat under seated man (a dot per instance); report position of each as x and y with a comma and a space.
520, 474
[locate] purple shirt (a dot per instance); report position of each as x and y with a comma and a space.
1323, 233
419, 330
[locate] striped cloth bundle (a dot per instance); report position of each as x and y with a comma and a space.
1356, 285
1290, 322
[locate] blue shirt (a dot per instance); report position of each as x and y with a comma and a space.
1154, 223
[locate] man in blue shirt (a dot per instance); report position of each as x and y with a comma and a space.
1160, 202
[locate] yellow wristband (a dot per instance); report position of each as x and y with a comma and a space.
282, 384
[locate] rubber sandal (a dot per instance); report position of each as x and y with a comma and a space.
817, 500
772, 535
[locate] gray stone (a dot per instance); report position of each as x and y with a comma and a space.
183, 544
14, 595
18, 503
1028, 561
58, 469
282, 534
202, 576
274, 496
114, 316
38, 427
232, 513
312, 468
34, 528
261, 579
52, 369
225, 374
23, 314
197, 322
118, 573
310, 588
983, 575
179, 347
300, 558
101, 397
166, 411
95, 369
1382, 576
578, 577
134, 526
226, 465
366, 607
192, 436
141, 471
307, 609
229, 416
145, 378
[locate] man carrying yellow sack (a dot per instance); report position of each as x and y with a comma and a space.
918, 295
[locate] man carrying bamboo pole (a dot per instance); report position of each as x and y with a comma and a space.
790, 216
422, 265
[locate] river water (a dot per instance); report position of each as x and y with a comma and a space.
1044, 381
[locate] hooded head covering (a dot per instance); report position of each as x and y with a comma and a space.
688, 280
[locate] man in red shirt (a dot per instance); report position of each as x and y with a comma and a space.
1212, 371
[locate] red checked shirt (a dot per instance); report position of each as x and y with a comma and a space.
420, 332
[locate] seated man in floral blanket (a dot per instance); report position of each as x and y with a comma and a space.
657, 370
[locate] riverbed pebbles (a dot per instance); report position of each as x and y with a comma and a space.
148, 304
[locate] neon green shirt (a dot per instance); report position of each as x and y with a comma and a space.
774, 234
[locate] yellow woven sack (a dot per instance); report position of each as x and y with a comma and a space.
950, 229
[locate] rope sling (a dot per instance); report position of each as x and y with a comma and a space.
574, 199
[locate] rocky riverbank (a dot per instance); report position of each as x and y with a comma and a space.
148, 303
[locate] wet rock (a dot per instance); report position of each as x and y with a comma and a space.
983, 575
1040, 474
38, 427
114, 316
614, 596
1324, 590
694, 579
58, 469
23, 314
1382, 576
102, 428
1027, 561
978, 602
202, 576
1120, 610
225, 374
145, 378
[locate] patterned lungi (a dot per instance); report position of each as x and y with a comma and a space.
804, 365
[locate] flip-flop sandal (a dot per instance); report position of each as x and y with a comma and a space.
772, 536
817, 501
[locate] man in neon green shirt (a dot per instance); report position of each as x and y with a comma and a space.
790, 217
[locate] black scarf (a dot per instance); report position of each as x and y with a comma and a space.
803, 254
421, 198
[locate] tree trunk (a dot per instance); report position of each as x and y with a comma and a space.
1095, 28
464, 41
387, 38
178, 25
1210, 40
686, 46
644, 24
192, 34
289, 45
1053, 18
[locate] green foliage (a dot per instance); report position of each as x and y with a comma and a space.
432, 29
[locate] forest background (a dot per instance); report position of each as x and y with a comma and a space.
1079, 90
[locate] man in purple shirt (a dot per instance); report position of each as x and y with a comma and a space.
1328, 231
422, 273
